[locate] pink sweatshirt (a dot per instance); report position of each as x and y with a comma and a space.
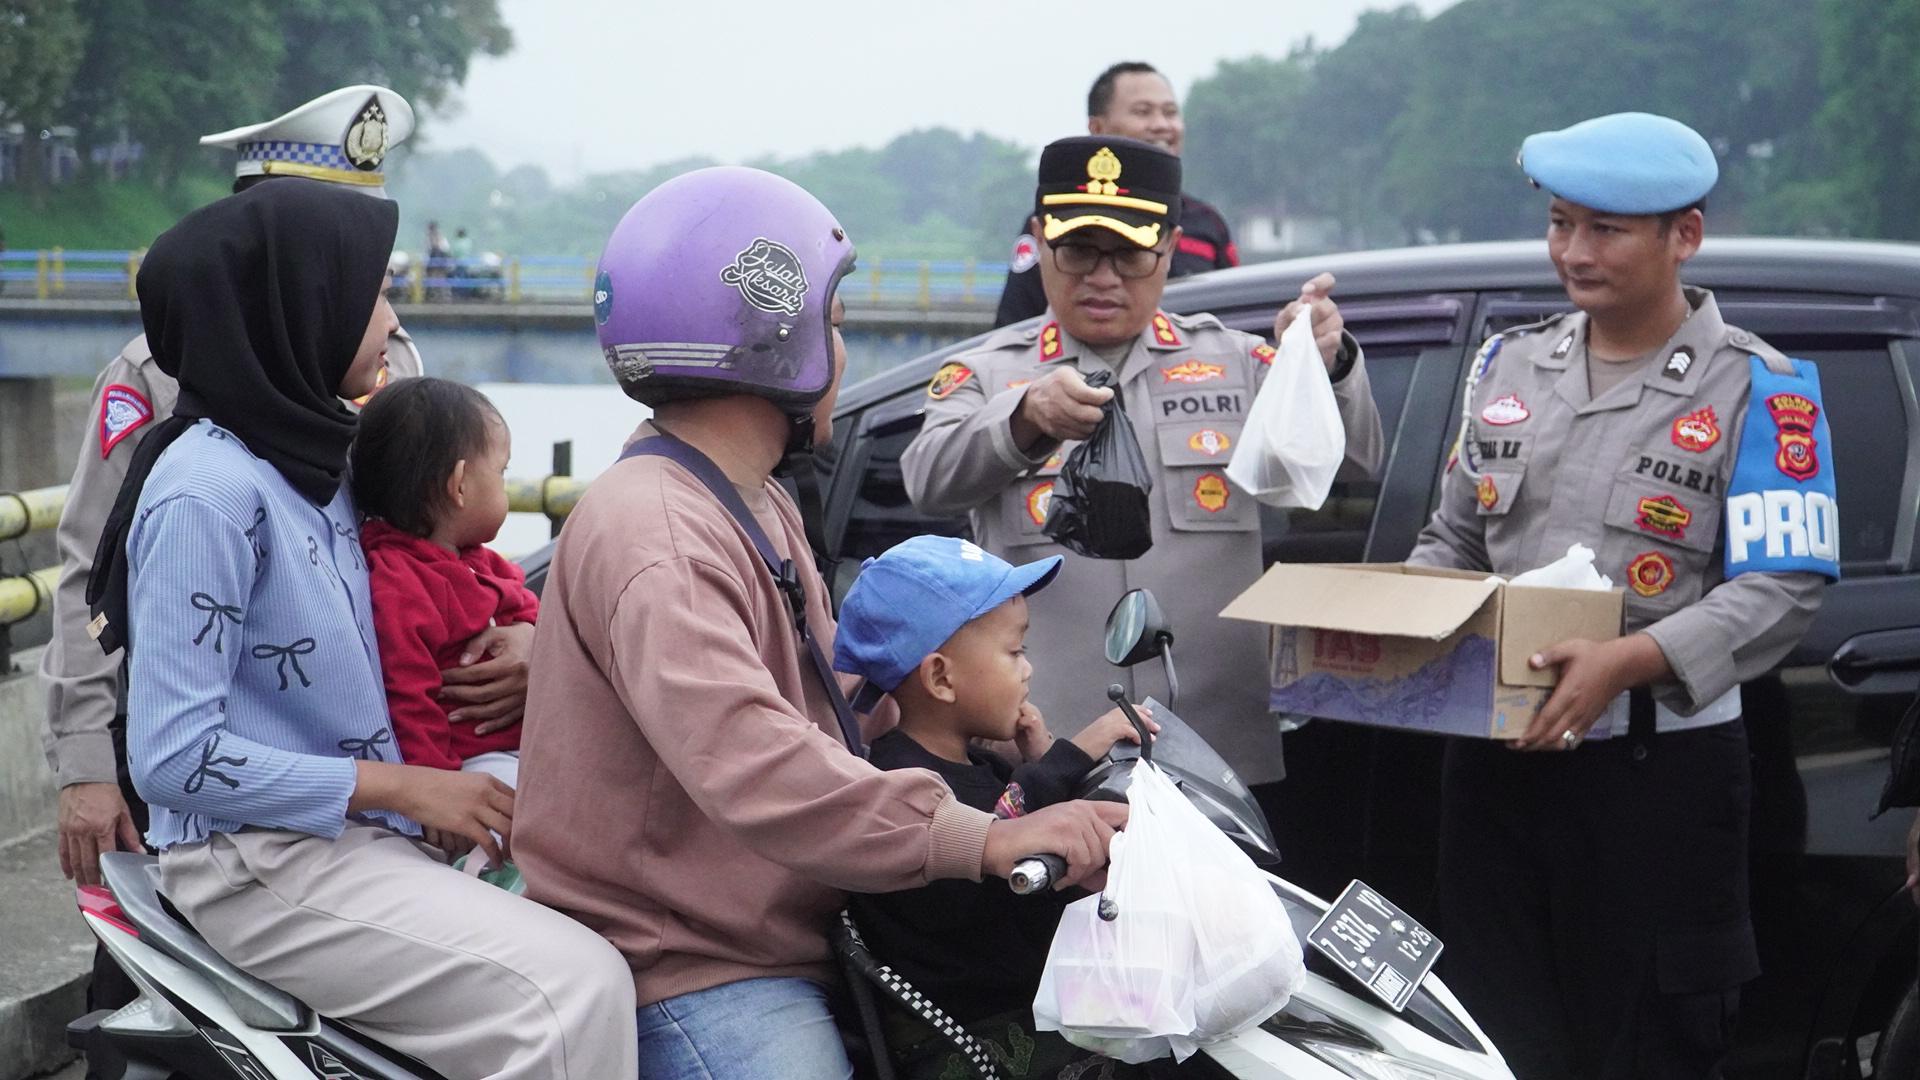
671, 795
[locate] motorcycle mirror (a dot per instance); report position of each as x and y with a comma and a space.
1136, 630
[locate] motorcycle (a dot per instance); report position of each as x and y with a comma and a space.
1369, 1010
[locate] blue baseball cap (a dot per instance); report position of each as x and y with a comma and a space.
909, 601
1625, 163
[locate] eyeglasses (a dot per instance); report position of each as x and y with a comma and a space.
1131, 263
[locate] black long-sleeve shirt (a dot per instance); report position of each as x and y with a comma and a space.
974, 948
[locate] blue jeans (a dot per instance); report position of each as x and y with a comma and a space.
776, 1028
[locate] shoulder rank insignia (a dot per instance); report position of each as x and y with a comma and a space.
1678, 364
1051, 347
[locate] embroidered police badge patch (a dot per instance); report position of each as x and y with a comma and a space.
949, 378
1504, 410
122, 412
366, 139
1026, 255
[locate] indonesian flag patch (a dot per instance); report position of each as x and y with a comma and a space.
123, 410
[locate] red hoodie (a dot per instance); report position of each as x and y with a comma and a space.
428, 602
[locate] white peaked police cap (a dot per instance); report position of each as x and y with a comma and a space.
342, 137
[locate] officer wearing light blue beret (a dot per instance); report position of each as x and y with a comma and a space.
1593, 888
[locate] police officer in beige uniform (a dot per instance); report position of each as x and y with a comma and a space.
342, 137
1594, 895
1001, 419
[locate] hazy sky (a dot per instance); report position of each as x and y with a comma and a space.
593, 85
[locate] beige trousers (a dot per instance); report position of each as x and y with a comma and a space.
371, 929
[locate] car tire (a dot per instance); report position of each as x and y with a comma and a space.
1898, 1052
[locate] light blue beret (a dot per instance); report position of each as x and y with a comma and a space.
1626, 163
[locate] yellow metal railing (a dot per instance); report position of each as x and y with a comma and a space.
25, 596
21, 512
553, 496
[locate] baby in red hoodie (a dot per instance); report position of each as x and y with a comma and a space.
429, 468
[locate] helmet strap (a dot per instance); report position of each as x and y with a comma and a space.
801, 469
800, 433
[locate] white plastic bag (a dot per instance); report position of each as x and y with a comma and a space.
1201, 950
1293, 441
1574, 570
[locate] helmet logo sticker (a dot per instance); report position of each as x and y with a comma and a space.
770, 277
366, 141
603, 298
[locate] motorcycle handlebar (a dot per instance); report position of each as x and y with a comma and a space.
1036, 873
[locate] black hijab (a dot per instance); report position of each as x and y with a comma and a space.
256, 304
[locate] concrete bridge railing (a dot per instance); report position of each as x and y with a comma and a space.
910, 284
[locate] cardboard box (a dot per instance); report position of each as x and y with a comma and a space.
1441, 651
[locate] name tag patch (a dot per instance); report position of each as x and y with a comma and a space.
1693, 478
1229, 404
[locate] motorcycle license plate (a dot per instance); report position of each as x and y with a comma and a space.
1384, 947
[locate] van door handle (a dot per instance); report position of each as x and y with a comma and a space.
1878, 657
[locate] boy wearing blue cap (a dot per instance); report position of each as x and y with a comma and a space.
940, 624
1595, 896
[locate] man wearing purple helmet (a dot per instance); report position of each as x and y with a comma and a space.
692, 782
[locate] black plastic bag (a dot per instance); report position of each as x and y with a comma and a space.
1099, 507
1903, 776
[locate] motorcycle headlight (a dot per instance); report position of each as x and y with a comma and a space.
1370, 1064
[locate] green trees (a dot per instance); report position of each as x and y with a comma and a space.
40, 43
1408, 129
168, 73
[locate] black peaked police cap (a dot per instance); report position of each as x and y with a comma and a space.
1127, 186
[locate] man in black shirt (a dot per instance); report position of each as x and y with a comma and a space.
1131, 99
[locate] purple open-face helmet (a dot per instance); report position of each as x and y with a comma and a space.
721, 282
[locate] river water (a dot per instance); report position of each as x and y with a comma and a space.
598, 417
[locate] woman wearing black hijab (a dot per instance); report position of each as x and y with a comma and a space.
288, 829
